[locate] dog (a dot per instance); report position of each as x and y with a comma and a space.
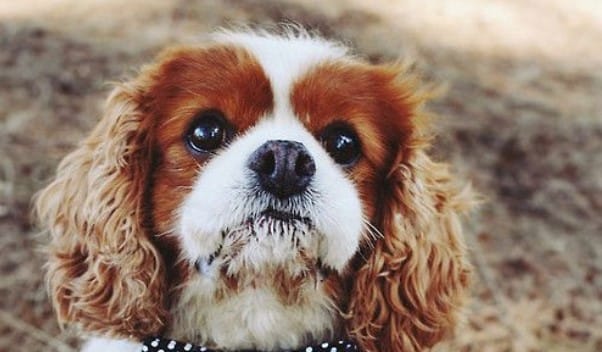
258, 191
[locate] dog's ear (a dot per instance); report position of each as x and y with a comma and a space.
408, 290
104, 273
407, 294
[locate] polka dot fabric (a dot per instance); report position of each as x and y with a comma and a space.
158, 344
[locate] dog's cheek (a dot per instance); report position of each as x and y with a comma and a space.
172, 175
172, 180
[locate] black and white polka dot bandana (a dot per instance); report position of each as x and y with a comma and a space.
159, 344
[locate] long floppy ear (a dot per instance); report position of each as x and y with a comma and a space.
407, 294
104, 274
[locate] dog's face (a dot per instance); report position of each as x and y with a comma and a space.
273, 199
263, 192
270, 178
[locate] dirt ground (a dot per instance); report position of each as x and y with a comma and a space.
521, 119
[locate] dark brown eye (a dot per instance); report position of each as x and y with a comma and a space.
208, 131
343, 145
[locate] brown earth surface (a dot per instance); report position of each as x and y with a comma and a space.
521, 119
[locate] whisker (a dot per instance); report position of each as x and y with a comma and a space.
374, 232
166, 233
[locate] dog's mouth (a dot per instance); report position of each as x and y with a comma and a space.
282, 216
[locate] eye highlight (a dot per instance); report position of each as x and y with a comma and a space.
208, 131
342, 143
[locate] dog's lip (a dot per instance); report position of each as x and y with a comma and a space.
284, 216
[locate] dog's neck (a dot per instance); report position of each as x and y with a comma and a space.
254, 317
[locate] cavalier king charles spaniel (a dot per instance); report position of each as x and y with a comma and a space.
259, 191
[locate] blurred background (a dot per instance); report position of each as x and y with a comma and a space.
521, 119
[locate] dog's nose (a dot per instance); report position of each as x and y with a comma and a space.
283, 168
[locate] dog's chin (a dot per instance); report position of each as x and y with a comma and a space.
273, 241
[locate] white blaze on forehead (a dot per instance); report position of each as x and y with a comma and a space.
284, 58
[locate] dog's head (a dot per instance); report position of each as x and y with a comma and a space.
268, 183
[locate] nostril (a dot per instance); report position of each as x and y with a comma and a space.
263, 161
267, 164
305, 166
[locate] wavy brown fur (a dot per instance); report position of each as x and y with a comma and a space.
407, 295
103, 271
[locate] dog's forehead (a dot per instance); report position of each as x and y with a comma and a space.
316, 81
285, 59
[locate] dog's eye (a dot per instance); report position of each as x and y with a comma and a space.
341, 142
208, 131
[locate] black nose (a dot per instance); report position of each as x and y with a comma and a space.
283, 168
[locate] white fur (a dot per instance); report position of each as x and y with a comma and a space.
253, 319
98, 344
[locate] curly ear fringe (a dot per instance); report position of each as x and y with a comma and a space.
408, 294
104, 274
